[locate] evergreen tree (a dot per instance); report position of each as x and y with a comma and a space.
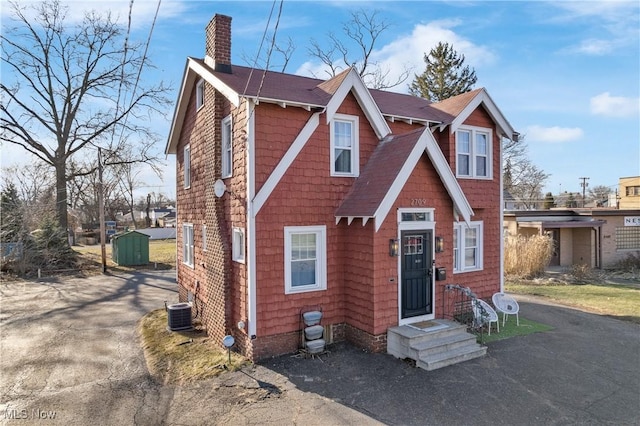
52, 245
549, 201
11, 223
445, 75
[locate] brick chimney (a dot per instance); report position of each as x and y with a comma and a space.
218, 43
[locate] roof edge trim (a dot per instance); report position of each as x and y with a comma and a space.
483, 98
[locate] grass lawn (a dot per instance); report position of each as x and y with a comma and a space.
510, 329
622, 302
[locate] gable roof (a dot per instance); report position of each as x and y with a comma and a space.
386, 173
311, 94
461, 106
304, 92
344, 83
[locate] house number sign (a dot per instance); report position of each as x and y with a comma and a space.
418, 201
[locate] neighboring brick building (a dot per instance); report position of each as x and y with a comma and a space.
597, 238
629, 193
291, 192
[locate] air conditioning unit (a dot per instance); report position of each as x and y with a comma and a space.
179, 317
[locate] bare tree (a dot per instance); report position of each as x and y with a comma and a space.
284, 50
73, 88
127, 183
362, 32
600, 194
523, 179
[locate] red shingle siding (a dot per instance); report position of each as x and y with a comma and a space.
214, 276
484, 197
424, 184
306, 195
276, 130
190, 209
361, 299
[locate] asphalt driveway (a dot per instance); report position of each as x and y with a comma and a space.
69, 353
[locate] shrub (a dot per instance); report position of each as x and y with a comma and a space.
527, 257
52, 246
631, 263
581, 273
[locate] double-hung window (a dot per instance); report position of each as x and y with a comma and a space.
467, 247
187, 244
227, 148
305, 258
199, 94
473, 153
344, 146
187, 166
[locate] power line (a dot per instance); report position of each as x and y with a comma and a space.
264, 37
273, 42
144, 56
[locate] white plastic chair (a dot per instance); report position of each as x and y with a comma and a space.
484, 313
507, 305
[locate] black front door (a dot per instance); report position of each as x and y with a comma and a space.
416, 292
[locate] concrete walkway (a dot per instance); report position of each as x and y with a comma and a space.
70, 353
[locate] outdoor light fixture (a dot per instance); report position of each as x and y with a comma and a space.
439, 244
393, 247
227, 342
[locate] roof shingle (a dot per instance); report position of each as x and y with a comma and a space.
378, 175
292, 88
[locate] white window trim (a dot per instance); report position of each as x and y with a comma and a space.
227, 151
429, 221
321, 256
459, 228
238, 244
188, 255
187, 166
473, 130
199, 94
355, 148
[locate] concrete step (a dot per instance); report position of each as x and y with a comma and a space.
444, 359
401, 339
434, 348
441, 344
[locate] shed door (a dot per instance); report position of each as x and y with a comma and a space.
416, 263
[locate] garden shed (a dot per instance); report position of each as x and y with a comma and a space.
130, 248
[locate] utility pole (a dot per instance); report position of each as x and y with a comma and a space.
103, 230
584, 185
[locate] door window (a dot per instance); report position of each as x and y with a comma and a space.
413, 244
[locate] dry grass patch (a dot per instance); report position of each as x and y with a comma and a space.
527, 257
182, 356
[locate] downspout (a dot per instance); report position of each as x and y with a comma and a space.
251, 222
598, 240
501, 222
